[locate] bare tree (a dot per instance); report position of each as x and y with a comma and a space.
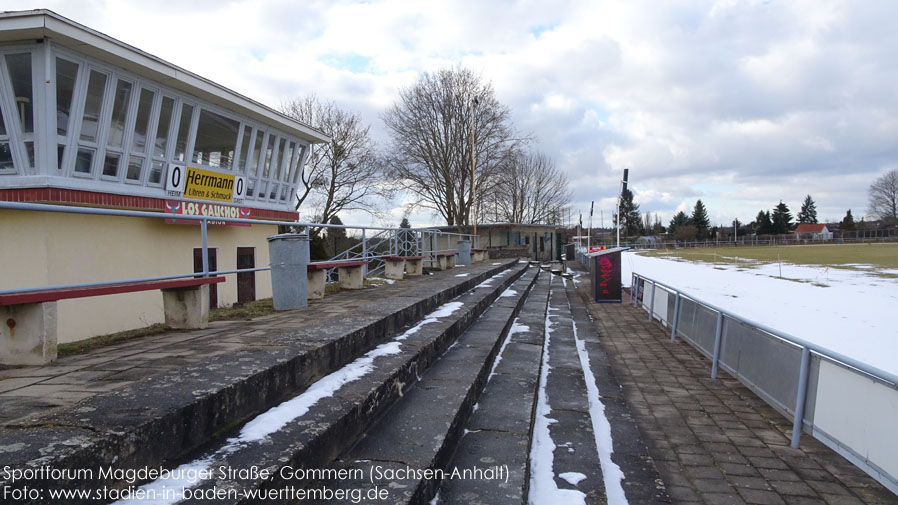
434, 126
341, 174
884, 196
530, 190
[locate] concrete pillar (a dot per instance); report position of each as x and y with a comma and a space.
414, 267
186, 308
351, 277
394, 268
289, 256
28, 334
464, 252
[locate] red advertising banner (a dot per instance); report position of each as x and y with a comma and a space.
606, 277
206, 209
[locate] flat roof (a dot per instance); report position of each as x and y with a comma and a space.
42, 24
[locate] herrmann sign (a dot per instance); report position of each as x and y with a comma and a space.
196, 183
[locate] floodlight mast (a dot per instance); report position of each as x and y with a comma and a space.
589, 230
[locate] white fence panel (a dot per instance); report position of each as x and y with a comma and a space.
857, 412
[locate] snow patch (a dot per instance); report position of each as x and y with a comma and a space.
463, 275
277, 417
601, 428
572, 478
508, 292
543, 490
515, 328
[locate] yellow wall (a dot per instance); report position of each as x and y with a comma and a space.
47, 249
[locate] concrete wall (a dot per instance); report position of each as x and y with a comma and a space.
46, 249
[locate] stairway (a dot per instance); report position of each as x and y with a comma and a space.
491, 397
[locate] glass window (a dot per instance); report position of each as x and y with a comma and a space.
250, 187
6, 157
156, 170
300, 151
216, 140
284, 190
144, 107
162, 128
183, 132
274, 192
135, 165
291, 155
244, 147
110, 165
120, 103
5, 151
66, 73
29, 152
92, 106
84, 160
257, 151
19, 66
60, 154
262, 187
278, 159
269, 151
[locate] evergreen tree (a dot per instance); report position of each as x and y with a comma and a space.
763, 225
632, 223
405, 223
808, 213
679, 219
700, 220
847, 223
782, 219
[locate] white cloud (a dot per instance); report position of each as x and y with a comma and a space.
767, 99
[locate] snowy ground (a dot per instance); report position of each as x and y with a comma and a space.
850, 312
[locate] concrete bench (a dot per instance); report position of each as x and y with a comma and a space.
444, 261
396, 267
351, 276
479, 255
31, 333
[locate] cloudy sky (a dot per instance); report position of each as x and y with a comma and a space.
738, 103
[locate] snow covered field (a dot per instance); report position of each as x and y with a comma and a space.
850, 312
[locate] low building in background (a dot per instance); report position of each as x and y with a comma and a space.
540, 242
813, 232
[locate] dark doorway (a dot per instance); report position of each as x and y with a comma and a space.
246, 281
213, 266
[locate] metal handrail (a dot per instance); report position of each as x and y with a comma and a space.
204, 223
799, 342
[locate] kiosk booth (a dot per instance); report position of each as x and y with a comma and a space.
605, 274
89, 121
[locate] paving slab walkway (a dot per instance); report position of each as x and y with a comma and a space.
28, 391
714, 441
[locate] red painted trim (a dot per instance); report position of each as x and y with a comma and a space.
335, 264
110, 200
51, 295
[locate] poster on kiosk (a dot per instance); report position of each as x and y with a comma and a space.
605, 274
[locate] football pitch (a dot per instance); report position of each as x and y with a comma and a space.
866, 257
